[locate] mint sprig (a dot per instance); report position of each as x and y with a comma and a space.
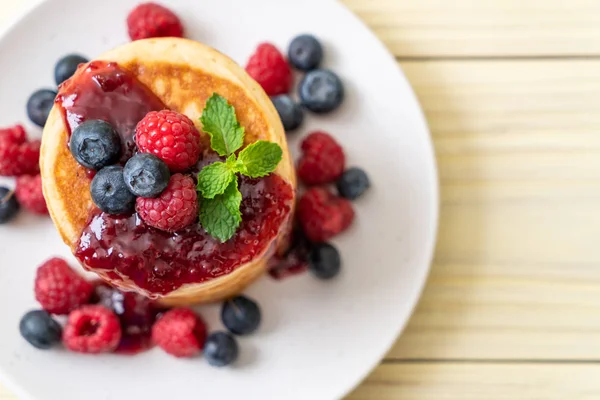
221, 199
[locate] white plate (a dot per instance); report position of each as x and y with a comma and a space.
318, 340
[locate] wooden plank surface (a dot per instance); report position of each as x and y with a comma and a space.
511, 90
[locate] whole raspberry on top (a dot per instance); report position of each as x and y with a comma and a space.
17, 155
170, 136
92, 329
180, 333
29, 194
323, 159
59, 289
270, 69
150, 20
174, 209
323, 215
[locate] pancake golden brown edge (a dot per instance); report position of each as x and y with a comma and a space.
183, 74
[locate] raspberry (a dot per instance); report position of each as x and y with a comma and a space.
323, 215
29, 193
180, 333
17, 156
59, 289
269, 68
323, 160
92, 329
150, 20
170, 136
174, 209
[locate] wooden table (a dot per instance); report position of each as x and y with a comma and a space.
511, 89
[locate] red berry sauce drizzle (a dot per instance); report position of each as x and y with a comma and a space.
124, 246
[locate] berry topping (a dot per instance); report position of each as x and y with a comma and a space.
92, 329
9, 206
59, 289
95, 144
269, 68
146, 175
220, 349
323, 215
40, 330
321, 91
17, 155
180, 333
39, 105
174, 209
149, 20
353, 183
66, 67
170, 136
29, 194
240, 315
323, 160
305, 52
110, 193
324, 261
290, 112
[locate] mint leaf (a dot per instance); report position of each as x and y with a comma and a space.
259, 159
220, 123
214, 179
221, 216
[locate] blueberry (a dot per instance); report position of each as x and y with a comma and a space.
39, 329
305, 52
240, 315
95, 144
353, 183
321, 91
146, 175
324, 261
110, 193
66, 67
220, 349
39, 105
290, 112
9, 206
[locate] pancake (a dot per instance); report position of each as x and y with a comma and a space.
183, 74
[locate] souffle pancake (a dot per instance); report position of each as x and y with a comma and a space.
188, 266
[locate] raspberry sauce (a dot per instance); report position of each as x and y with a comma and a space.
104, 90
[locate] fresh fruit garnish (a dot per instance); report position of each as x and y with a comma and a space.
59, 289
353, 183
39, 105
240, 315
95, 144
269, 68
321, 91
9, 206
220, 349
92, 329
110, 193
290, 112
324, 261
29, 194
40, 330
305, 52
220, 212
170, 136
66, 67
174, 209
17, 155
149, 20
323, 215
146, 175
180, 332
323, 159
